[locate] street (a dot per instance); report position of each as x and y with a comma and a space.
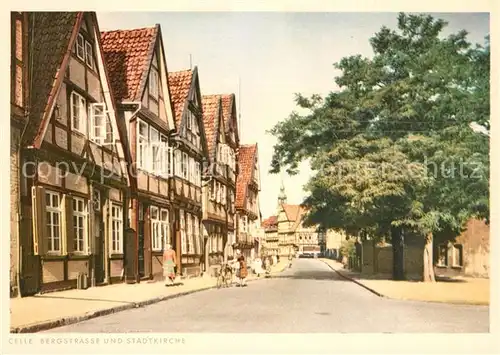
309, 297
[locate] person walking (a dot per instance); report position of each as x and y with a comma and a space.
169, 261
290, 258
243, 271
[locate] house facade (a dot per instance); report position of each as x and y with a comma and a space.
286, 233
73, 190
139, 78
191, 160
219, 183
232, 145
247, 199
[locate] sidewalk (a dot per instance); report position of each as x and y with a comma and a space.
472, 291
50, 310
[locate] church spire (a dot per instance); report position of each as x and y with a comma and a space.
282, 194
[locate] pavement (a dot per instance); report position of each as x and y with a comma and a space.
55, 309
310, 297
459, 290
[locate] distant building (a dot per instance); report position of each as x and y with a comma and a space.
285, 232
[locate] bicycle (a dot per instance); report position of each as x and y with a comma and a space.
224, 276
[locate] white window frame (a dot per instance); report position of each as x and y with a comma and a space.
82, 112
102, 121
184, 165
190, 234
165, 227
154, 217
80, 223
154, 84
196, 230
53, 228
89, 54
116, 235
182, 223
155, 142
142, 145
80, 47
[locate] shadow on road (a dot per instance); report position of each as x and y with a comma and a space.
311, 275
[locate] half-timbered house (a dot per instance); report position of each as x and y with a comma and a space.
247, 198
73, 194
221, 172
139, 77
190, 160
232, 142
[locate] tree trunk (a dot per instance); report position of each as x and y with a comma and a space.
428, 260
397, 254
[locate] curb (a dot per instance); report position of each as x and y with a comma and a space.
355, 281
46, 325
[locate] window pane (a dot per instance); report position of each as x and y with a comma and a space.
47, 200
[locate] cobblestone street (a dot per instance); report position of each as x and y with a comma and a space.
309, 297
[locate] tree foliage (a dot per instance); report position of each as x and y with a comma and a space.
393, 147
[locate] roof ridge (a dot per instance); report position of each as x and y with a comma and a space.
129, 29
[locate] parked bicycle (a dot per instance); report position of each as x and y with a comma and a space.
224, 276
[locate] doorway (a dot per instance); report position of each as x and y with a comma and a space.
140, 234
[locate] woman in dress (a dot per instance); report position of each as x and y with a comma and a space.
169, 261
243, 272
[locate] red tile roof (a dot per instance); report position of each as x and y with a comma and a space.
211, 110
180, 84
246, 159
227, 105
51, 40
270, 223
128, 54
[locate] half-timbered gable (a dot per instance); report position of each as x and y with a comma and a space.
247, 189
233, 142
78, 153
139, 76
191, 160
215, 191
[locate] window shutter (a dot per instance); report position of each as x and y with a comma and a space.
170, 155
39, 221
177, 165
67, 225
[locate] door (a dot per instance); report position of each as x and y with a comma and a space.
99, 249
30, 266
141, 248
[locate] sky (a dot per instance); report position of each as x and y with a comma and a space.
273, 55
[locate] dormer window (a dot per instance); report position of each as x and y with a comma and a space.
153, 82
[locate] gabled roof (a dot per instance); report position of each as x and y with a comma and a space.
180, 84
128, 54
53, 34
270, 223
246, 162
211, 113
229, 108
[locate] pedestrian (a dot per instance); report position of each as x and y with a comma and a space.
243, 271
169, 261
290, 257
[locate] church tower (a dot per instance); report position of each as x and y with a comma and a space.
282, 194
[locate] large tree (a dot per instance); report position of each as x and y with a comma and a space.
374, 143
